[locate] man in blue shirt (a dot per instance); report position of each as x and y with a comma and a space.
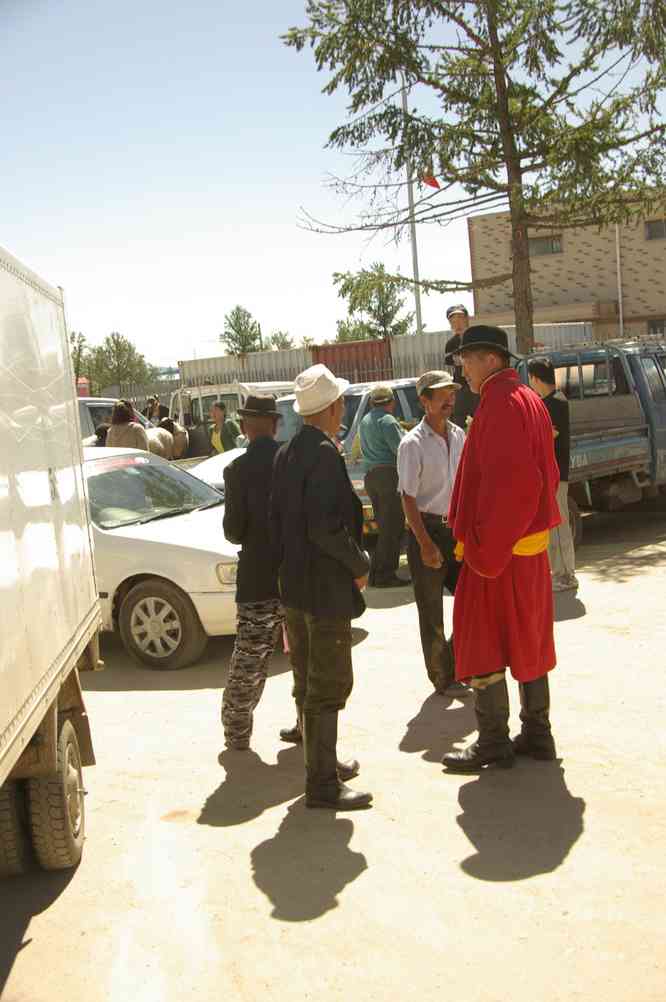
381, 435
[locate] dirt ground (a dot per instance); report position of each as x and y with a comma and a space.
204, 877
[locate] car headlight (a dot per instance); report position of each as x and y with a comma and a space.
226, 573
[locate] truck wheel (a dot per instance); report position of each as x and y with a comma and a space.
160, 627
56, 813
575, 522
14, 845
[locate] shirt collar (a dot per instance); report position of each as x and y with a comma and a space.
509, 374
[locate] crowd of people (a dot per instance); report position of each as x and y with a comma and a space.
480, 484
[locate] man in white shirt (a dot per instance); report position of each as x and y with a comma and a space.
428, 459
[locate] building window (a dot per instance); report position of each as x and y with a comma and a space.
545, 245
657, 326
655, 229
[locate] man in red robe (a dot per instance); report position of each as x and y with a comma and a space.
503, 506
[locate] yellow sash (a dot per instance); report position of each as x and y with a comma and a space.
528, 546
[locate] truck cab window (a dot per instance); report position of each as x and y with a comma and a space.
567, 381
654, 380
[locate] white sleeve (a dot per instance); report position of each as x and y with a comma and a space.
409, 467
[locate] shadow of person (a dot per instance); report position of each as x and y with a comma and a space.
438, 725
522, 821
252, 785
22, 899
567, 605
305, 866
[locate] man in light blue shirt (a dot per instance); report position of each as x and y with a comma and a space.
381, 435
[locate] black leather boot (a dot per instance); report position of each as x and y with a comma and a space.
535, 738
493, 746
292, 734
323, 786
347, 769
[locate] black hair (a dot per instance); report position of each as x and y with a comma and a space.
543, 369
122, 412
221, 404
167, 424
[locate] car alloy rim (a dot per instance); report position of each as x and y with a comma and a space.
155, 627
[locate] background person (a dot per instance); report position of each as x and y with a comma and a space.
466, 400
247, 485
502, 508
125, 432
224, 431
561, 551
155, 411
380, 436
317, 529
160, 442
428, 459
181, 439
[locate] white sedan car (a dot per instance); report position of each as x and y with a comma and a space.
166, 575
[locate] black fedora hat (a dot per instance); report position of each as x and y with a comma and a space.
259, 407
483, 336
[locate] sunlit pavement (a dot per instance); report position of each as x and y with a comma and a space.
204, 877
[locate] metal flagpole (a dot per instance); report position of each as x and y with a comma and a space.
412, 227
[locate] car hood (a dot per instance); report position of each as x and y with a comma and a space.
197, 530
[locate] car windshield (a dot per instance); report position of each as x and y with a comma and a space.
130, 489
290, 422
352, 401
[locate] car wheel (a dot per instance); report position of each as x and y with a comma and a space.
55, 807
160, 627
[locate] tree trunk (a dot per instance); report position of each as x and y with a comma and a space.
520, 252
522, 286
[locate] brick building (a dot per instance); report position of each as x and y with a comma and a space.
575, 275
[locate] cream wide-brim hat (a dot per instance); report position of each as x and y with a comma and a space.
316, 389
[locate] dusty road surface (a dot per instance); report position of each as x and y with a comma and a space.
204, 877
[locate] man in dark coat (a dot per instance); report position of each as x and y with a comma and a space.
317, 525
466, 400
247, 483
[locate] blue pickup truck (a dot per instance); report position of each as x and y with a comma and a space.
617, 400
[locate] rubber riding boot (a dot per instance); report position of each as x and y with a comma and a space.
323, 787
493, 746
535, 738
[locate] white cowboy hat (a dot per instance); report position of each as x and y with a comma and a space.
316, 389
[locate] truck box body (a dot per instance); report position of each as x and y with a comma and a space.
48, 598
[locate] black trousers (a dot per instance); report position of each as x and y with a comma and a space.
381, 485
320, 652
429, 585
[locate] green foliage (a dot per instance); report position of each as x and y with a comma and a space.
374, 305
116, 361
78, 347
547, 108
280, 340
242, 333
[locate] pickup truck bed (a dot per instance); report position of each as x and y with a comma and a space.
608, 436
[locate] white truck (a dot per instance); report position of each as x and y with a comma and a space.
49, 610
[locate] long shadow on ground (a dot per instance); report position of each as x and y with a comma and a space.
521, 821
305, 866
22, 899
439, 724
251, 786
122, 674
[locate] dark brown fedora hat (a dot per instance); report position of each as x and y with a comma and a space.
259, 407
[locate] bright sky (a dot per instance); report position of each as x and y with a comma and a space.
155, 158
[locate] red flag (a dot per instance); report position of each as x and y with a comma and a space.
430, 180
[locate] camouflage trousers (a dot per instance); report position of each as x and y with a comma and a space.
256, 634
